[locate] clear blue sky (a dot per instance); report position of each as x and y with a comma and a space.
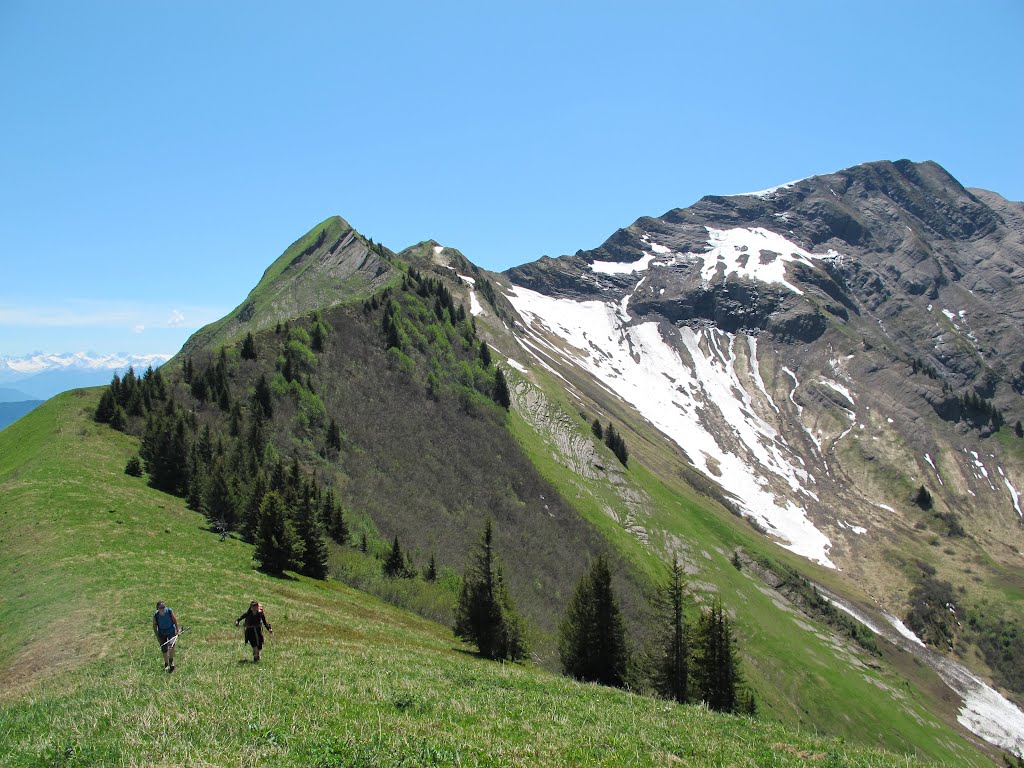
156, 157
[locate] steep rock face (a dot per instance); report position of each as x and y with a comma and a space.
841, 339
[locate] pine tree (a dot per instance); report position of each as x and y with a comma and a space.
165, 452
249, 347
310, 535
672, 663
923, 498
119, 420
716, 664
250, 512
262, 397
333, 436
592, 635
319, 334
275, 541
394, 564
513, 637
430, 574
133, 467
485, 354
502, 396
105, 409
485, 614
597, 429
219, 502
333, 518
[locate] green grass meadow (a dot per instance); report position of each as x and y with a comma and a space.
346, 680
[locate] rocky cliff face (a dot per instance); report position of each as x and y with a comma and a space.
820, 350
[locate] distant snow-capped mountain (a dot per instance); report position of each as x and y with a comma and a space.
12, 367
44, 374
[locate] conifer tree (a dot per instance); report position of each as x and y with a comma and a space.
262, 397
502, 396
333, 436
513, 637
333, 518
394, 564
219, 503
250, 512
485, 354
310, 536
119, 420
716, 663
672, 663
597, 429
318, 336
165, 451
235, 421
430, 574
485, 615
133, 467
592, 635
249, 347
105, 410
923, 498
275, 540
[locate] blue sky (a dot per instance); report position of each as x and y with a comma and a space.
155, 158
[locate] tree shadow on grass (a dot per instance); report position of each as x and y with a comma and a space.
275, 575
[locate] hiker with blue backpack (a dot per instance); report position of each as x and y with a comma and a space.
166, 629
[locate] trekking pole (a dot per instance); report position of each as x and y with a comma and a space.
171, 641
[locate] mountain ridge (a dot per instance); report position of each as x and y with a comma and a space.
790, 368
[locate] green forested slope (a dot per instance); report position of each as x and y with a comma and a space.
346, 680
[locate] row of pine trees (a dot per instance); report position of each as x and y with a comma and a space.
684, 663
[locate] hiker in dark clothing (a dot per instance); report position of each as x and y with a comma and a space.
166, 629
254, 618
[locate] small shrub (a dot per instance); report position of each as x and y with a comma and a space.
133, 467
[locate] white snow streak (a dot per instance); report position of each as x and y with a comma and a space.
623, 268
839, 388
932, 463
678, 395
516, 364
1013, 492
985, 712
904, 630
755, 372
770, 190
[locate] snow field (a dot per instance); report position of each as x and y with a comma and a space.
683, 398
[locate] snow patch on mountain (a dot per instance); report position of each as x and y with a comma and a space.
756, 254
623, 268
692, 392
984, 711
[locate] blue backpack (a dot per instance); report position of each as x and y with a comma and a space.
165, 623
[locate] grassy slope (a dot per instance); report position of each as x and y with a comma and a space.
85, 552
261, 300
804, 675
